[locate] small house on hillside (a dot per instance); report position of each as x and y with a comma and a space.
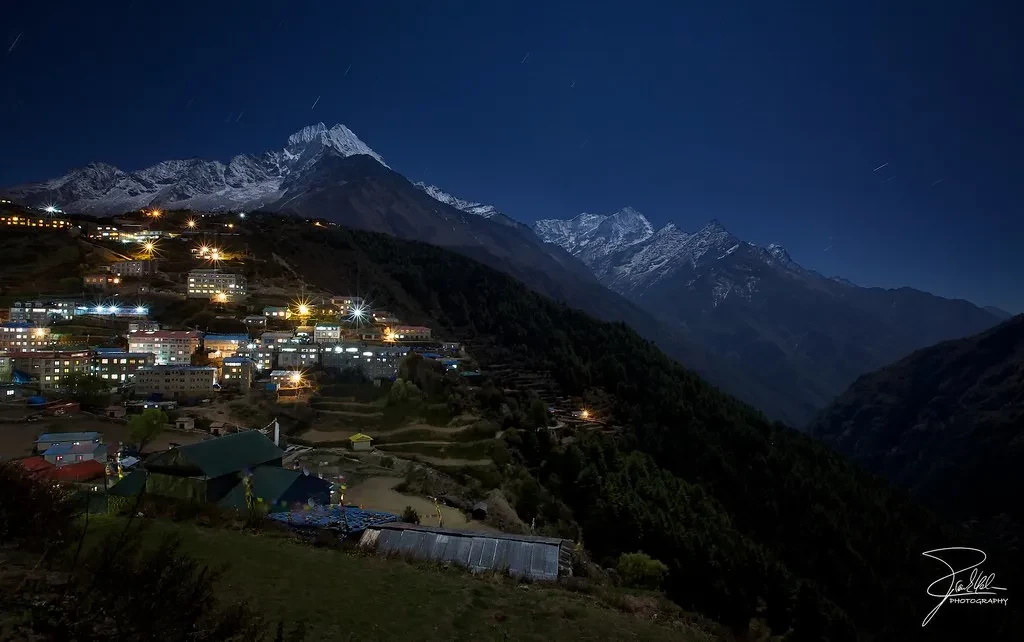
185, 423
359, 441
115, 412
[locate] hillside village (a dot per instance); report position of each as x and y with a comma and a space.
175, 313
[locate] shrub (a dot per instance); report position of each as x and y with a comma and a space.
409, 515
35, 514
641, 570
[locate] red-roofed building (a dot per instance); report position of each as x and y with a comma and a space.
36, 466
79, 472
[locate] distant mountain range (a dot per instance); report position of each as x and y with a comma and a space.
947, 423
748, 318
798, 337
246, 182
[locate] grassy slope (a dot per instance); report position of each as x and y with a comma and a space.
343, 596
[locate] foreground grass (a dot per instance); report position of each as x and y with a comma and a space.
345, 596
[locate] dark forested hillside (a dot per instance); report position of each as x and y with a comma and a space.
947, 423
751, 517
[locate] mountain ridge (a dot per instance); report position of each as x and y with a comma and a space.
800, 337
944, 423
246, 181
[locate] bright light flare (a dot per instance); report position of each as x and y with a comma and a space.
50, 209
220, 297
295, 377
190, 224
584, 414
155, 213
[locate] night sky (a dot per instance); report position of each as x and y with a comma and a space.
769, 116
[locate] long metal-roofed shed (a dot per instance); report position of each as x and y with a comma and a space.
537, 558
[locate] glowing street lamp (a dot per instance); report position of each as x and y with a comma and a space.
190, 224
220, 297
295, 377
584, 414
155, 213
303, 310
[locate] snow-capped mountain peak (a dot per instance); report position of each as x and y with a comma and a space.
248, 181
338, 137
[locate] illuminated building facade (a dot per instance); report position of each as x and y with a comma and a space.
169, 347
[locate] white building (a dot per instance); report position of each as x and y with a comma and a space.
376, 362
42, 312
142, 267
327, 333
211, 284
298, 356
169, 347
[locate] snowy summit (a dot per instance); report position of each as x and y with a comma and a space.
245, 182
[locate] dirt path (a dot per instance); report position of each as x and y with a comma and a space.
378, 493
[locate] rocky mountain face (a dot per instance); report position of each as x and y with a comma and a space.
246, 182
946, 423
794, 337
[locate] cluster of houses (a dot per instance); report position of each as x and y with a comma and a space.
279, 344
163, 362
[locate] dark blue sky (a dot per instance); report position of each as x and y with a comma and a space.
767, 116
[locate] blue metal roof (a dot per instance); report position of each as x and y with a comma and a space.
244, 338
70, 448
61, 437
345, 519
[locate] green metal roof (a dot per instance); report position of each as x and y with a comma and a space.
130, 485
221, 455
268, 483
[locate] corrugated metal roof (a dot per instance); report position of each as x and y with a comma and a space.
519, 555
